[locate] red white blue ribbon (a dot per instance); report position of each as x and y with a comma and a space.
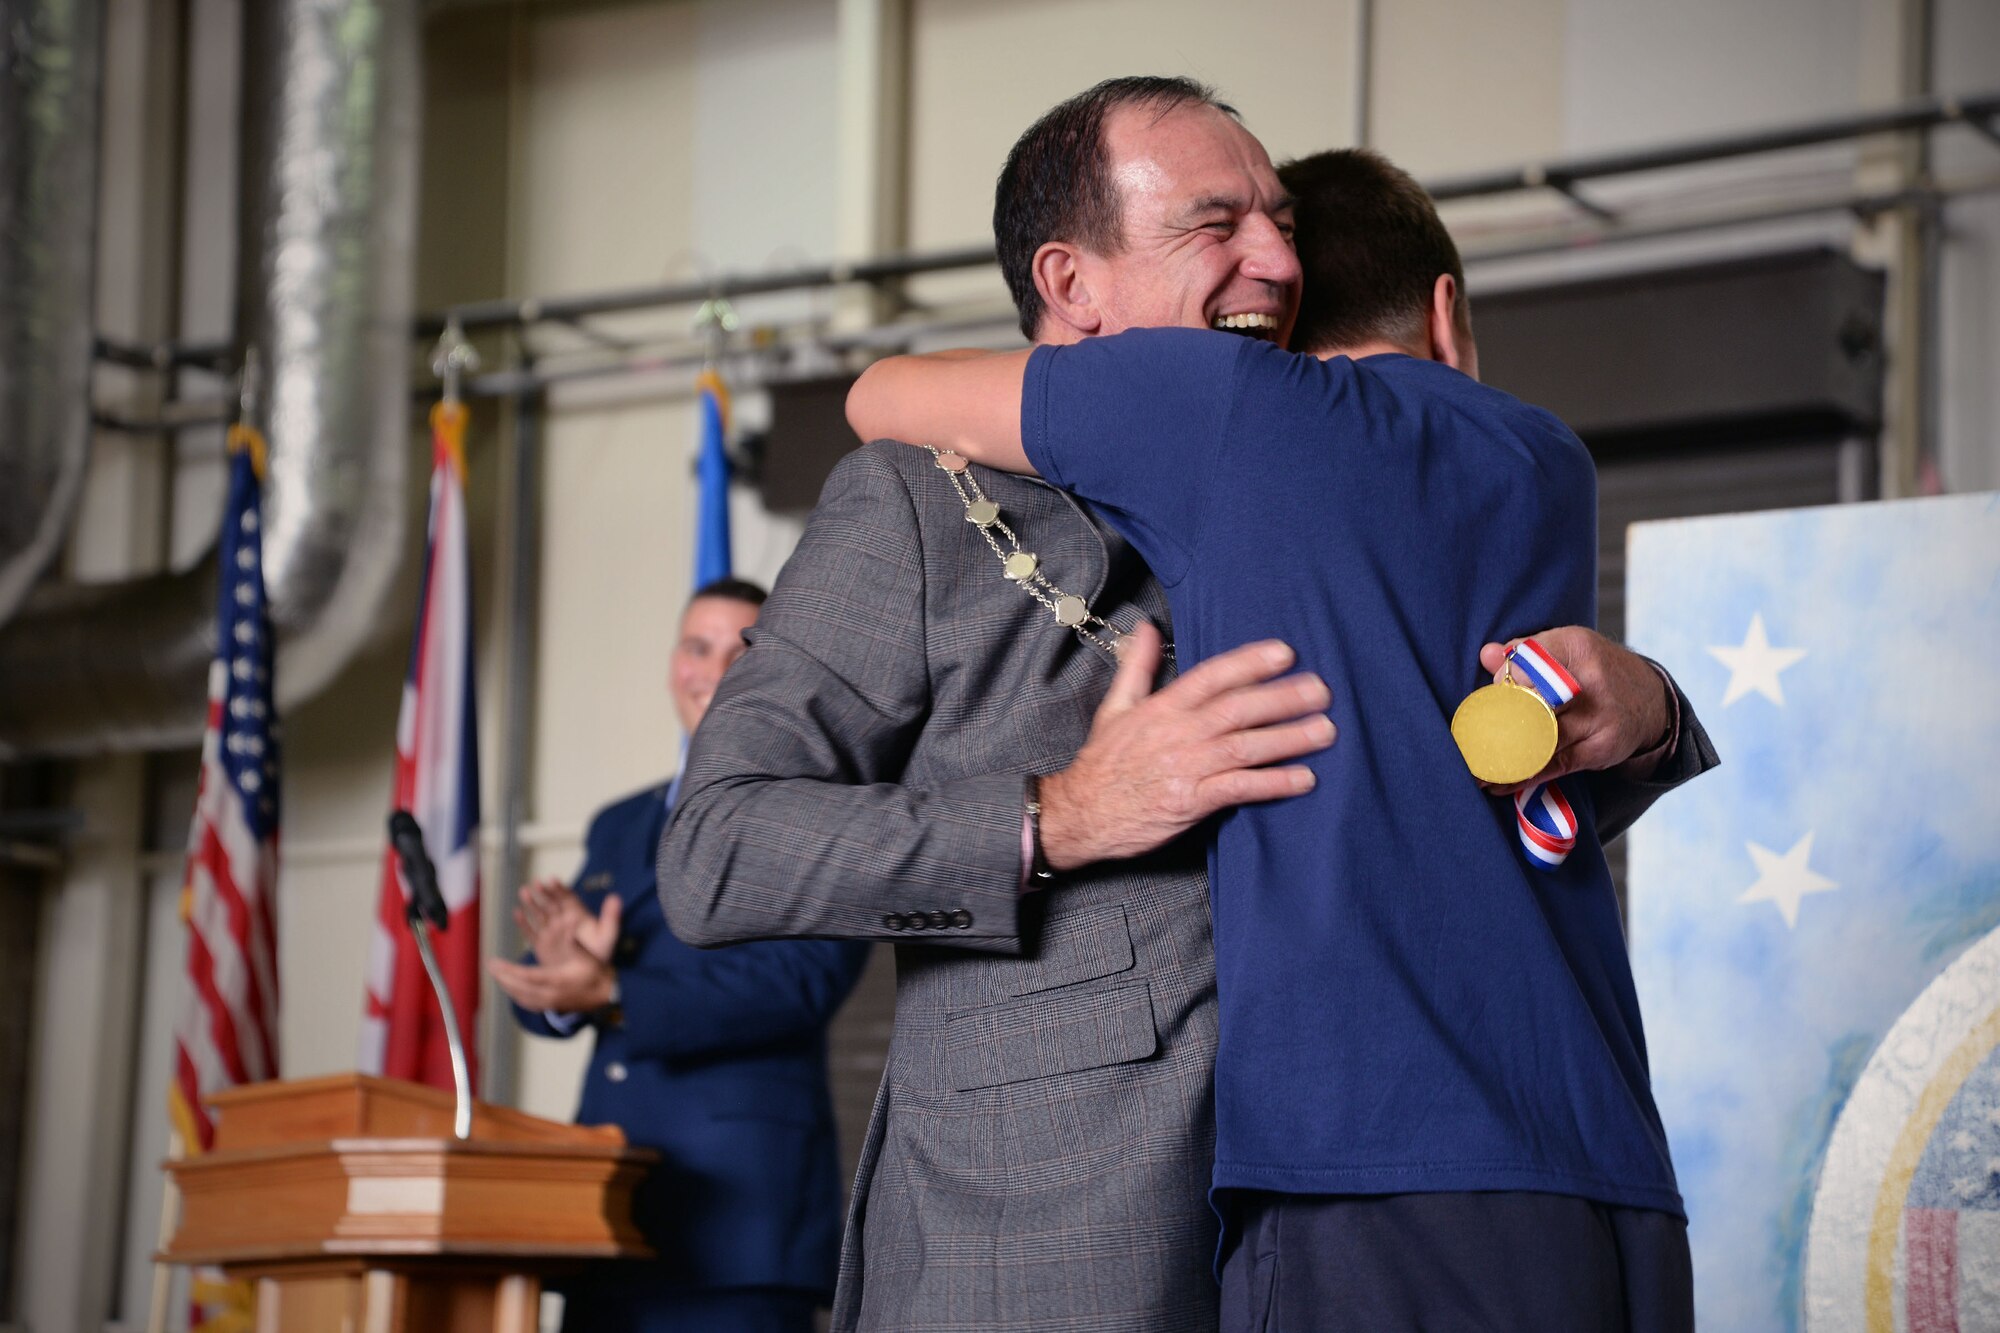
1537, 667
1547, 824
1542, 813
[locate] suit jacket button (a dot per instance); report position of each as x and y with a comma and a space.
962, 919
894, 921
917, 920
615, 1071
939, 920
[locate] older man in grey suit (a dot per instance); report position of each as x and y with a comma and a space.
1039, 1152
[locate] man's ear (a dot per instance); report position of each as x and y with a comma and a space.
1066, 296
1450, 326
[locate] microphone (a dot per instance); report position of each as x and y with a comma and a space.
426, 901
426, 910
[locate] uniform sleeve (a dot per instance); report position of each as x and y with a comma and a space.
1134, 423
543, 1023
735, 999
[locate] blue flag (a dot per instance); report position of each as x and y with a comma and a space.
711, 541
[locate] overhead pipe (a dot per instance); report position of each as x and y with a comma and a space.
1918, 114
325, 281
51, 72
474, 316
1980, 114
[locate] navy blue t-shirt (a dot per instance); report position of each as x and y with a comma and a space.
1406, 1004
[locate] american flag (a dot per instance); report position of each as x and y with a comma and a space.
437, 781
228, 1029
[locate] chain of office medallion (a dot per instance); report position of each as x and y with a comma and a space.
1069, 610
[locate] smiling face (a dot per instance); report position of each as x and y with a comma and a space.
711, 638
1207, 229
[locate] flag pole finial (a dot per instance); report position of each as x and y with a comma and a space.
714, 321
243, 435
453, 357
249, 384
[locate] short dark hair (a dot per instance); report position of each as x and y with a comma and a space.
1057, 185
732, 590
1371, 244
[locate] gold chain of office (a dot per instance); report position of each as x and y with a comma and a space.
1023, 568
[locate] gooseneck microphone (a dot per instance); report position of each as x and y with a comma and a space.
426, 901
425, 911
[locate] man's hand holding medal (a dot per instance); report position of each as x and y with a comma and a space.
1621, 713
1566, 700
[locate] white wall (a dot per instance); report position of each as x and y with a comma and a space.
1461, 87
1968, 63
1637, 73
982, 71
80, 1076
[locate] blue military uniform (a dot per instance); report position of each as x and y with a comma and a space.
718, 1061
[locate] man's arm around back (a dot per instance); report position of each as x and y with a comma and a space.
794, 817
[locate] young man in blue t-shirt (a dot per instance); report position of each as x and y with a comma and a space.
1433, 1106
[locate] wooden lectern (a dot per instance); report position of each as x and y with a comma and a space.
349, 1205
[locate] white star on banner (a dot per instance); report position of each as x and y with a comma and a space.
1784, 880
1755, 665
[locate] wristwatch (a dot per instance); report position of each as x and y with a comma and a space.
1038, 864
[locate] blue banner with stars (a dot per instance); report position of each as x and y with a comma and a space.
1815, 926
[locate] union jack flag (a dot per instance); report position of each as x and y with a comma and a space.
437, 781
228, 1028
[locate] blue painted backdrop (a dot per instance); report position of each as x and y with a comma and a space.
1788, 907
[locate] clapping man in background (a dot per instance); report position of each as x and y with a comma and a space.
716, 1059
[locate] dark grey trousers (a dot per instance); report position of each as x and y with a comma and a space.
1441, 1263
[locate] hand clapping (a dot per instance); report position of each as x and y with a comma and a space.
572, 971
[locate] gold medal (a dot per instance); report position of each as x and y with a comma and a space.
1506, 732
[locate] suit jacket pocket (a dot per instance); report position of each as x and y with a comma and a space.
1049, 1035
1077, 946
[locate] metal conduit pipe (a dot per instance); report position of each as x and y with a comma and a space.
51, 71
325, 276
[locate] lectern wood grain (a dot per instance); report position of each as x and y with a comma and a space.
348, 1204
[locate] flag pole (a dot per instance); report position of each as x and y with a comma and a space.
714, 322
436, 784
248, 385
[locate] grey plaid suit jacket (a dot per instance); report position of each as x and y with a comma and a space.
1039, 1153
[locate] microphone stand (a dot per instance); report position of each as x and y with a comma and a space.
461, 1076
426, 908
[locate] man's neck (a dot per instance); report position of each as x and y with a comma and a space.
1376, 347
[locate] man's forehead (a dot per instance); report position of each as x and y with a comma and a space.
705, 612
1186, 154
